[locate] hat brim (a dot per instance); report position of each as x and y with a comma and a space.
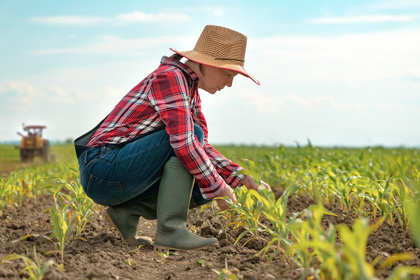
210, 61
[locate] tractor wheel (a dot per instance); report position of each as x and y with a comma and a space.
24, 157
46, 151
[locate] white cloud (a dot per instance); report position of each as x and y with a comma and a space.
22, 88
334, 90
339, 82
138, 16
267, 104
412, 74
395, 4
217, 11
68, 20
346, 59
61, 96
362, 19
135, 16
331, 101
21, 95
112, 91
362, 106
3, 89
119, 46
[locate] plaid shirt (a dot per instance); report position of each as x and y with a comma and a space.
169, 96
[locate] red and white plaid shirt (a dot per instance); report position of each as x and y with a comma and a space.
169, 96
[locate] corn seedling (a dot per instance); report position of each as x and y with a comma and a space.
372, 182
246, 212
63, 219
203, 263
82, 205
163, 256
137, 251
130, 262
353, 264
311, 246
35, 268
248, 209
226, 274
404, 273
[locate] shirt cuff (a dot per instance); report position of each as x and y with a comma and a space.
235, 179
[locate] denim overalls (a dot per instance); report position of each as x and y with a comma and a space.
119, 174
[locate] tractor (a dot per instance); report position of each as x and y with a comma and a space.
32, 145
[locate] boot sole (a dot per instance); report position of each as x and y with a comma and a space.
164, 249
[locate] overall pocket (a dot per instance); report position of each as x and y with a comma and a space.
102, 186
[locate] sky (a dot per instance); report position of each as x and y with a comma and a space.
335, 73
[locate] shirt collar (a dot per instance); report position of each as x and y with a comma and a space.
173, 62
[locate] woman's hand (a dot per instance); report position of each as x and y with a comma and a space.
249, 183
223, 205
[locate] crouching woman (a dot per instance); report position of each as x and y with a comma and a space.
150, 156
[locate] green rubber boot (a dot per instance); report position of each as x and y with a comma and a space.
126, 218
172, 210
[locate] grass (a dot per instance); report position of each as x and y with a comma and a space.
10, 157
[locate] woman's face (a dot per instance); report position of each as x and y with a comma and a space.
213, 79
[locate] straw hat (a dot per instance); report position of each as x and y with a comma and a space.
220, 47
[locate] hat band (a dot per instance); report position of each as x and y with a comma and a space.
229, 59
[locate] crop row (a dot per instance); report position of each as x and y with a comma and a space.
368, 182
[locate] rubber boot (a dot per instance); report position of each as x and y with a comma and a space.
172, 210
126, 218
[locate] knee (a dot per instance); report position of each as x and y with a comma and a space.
199, 133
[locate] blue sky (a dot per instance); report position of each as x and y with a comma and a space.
339, 73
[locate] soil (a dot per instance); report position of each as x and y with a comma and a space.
103, 255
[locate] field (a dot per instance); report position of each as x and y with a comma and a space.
334, 213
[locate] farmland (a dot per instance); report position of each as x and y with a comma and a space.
334, 213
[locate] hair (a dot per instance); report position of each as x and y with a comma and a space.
176, 56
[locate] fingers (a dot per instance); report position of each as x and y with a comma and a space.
249, 183
223, 205
227, 192
267, 186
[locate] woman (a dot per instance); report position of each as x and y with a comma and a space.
150, 157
